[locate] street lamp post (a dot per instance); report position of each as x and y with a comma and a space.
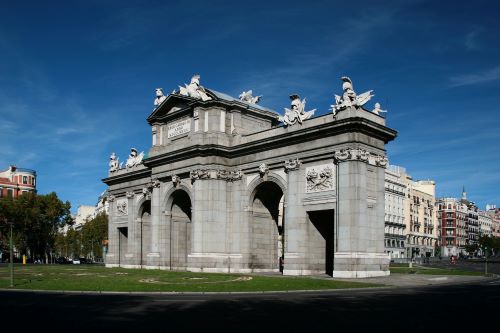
485, 260
11, 260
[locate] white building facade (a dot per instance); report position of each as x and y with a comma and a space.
395, 193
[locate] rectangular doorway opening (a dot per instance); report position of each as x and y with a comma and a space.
323, 221
122, 243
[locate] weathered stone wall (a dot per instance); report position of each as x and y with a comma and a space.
213, 209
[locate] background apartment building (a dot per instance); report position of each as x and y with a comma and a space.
410, 217
420, 218
485, 223
15, 181
453, 217
395, 194
494, 213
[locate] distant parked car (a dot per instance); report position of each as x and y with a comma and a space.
76, 261
62, 260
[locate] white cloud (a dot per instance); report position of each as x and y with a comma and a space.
489, 75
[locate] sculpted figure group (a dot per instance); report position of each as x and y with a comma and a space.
132, 160
296, 113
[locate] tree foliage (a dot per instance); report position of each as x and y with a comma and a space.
36, 220
85, 241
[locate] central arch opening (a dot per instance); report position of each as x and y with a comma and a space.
267, 228
145, 230
180, 230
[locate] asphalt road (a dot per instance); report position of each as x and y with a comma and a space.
427, 309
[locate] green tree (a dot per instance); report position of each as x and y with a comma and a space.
471, 248
85, 241
36, 219
93, 233
486, 244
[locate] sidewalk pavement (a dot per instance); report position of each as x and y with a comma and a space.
420, 280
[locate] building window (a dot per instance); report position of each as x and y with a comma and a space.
10, 193
1, 192
25, 180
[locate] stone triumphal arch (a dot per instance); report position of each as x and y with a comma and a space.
231, 186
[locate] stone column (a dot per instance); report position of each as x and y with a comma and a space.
209, 218
154, 193
359, 249
294, 220
132, 256
112, 255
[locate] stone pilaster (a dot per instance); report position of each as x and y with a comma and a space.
154, 255
360, 226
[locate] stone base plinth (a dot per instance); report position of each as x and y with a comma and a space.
360, 264
215, 263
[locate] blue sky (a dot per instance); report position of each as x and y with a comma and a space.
77, 78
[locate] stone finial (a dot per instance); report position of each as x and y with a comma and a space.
113, 163
194, 89
296, 113
377, 109
134, 158
160, 97
349, 97
247, 96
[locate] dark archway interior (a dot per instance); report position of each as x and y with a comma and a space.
270, 194
146, 208
145, 229
180, 229
267, 234
182, 201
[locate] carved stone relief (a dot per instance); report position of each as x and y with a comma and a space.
320, 178
122, 207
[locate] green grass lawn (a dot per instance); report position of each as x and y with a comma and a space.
99, 278
432, 271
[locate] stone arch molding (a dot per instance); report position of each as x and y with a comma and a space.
141, 199
271, 177
170, 189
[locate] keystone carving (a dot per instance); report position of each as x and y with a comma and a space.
263, 169
292, 165
176, 180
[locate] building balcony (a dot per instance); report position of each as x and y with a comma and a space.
398, 236
396, 224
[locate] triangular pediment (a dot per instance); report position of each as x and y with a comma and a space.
172, 104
